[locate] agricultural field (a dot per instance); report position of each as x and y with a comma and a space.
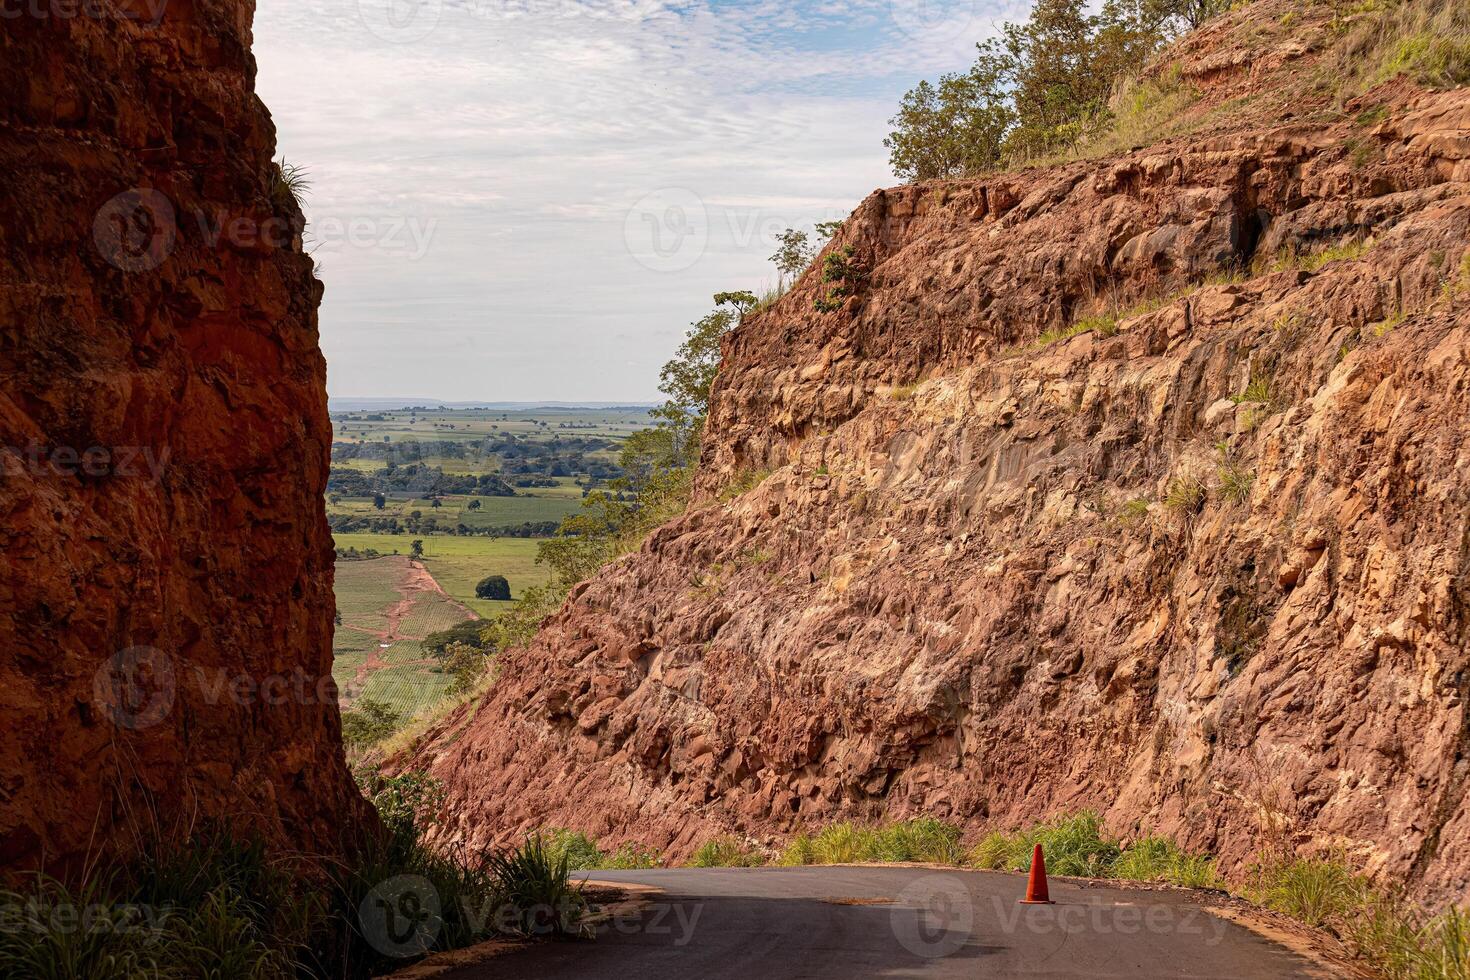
387, 607
479, 488
456, 563
471, 471
531, 506
404, 424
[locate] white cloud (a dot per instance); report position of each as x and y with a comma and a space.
515, 135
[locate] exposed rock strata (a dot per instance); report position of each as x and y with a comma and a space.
1210, 574
165, 432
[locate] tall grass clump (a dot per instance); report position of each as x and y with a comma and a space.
1073, 846
580, 851
288, 183
725, 852
535, 884
922, 839
799, 851
1316, 891
217, 904
1153, 858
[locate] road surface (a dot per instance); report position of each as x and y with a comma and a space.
841, 923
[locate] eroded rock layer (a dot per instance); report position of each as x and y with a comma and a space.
166, 569
1204, 567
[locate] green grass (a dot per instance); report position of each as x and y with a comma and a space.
219, 906
1152, 858
1133, 512
743, 482
1429, 59
1104, 324
923, 840
1311, 890
535, 882
1184, 495
583, 853
725, 852
1291, 259
1072, 846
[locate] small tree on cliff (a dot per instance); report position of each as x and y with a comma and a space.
416, 550
794, 254
368, 722
494, 587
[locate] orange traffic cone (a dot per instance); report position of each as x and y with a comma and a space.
1036, 884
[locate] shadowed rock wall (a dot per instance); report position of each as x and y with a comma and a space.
166, 569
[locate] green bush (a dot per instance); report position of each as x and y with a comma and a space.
844, 843
922, 839
1072, 845
632, 857
368, 722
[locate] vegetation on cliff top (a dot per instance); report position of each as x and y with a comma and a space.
1041, 86
1067, 81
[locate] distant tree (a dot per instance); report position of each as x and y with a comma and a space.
474, 504
493, 587
334, 498
379, 501
436, 503
416, 549
415, 514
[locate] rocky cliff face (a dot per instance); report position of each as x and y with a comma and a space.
166, 570
1204, 567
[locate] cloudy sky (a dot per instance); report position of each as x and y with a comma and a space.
531, 199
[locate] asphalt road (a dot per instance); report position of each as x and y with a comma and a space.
848, 922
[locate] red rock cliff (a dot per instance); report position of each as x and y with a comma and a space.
1205, 567
166, 593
